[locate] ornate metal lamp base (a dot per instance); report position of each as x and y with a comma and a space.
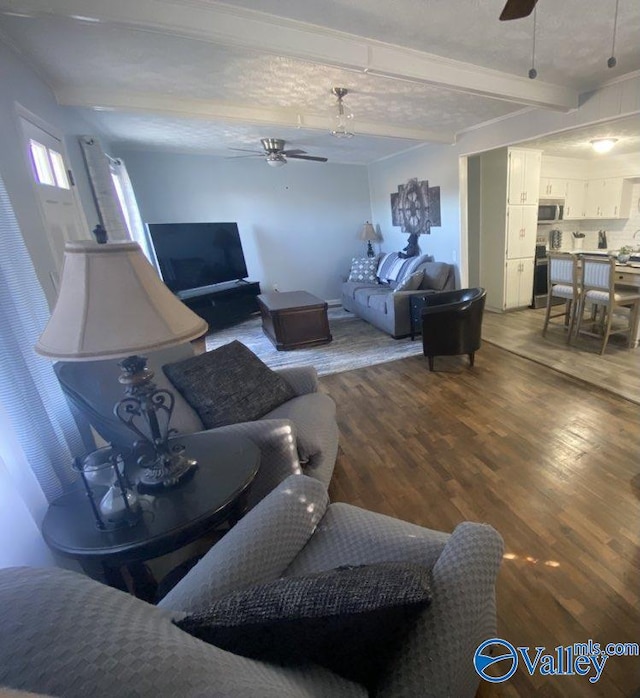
165, 471
147, 410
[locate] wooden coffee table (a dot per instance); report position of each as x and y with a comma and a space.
294, 319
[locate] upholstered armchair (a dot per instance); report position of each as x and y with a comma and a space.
66, 635
301, 435
452, 323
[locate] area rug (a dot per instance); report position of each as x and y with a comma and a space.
355, 344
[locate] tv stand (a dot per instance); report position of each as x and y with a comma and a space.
223, 305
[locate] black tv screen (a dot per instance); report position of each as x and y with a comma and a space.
194, 255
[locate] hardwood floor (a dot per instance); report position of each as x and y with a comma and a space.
549, 461
618, 370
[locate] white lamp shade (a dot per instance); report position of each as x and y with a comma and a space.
368, 232
113, 304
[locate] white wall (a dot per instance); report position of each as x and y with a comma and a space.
22, 85
439, 166
298, 223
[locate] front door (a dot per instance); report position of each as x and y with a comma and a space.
63, 217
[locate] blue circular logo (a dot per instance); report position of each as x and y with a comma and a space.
504, 652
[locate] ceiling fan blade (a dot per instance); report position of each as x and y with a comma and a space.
246, 150
307, 157
242, 157
294, 152
517, 9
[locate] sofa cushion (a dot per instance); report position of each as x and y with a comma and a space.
393, 269
229, 385
378, 301
411, 282
363, 269
347, 619
438, 275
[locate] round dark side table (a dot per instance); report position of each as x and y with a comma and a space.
215, 493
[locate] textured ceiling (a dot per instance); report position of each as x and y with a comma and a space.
171, 86
573, 37
577, 142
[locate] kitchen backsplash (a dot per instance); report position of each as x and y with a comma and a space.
619, 232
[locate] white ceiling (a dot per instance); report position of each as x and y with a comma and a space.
202, 76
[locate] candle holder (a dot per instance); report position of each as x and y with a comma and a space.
113, 501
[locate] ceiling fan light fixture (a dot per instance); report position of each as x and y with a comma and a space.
342, 120
275, 160
603, 145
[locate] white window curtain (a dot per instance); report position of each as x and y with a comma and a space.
38, 435
114, 196
129, 206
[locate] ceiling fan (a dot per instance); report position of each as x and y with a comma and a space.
275, 154
517, 9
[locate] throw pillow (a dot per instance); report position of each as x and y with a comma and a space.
363, 269
228, 385
348, 620
394, 269
411, 282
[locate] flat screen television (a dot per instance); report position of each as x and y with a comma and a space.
197, 255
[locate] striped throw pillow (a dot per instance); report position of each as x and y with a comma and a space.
393, 269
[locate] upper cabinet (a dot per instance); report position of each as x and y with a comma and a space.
523, 180
609, 197
553, 188
590, 189
575, 199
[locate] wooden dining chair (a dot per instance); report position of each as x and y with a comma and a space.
563, 282
598, 288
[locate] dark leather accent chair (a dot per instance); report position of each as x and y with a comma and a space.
451, 323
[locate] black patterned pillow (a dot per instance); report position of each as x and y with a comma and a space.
349, 619
363, 269
228, 385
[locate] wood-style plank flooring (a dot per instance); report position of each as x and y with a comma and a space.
618, 369
549, 461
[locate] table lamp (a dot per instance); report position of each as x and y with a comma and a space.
113, 305
369, 233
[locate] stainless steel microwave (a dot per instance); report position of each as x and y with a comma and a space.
548, 213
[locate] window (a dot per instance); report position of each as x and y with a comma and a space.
49, 165
44, 171
59, 170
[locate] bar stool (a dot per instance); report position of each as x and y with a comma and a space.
563, 281
598, 288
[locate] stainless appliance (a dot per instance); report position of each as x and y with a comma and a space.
550, 212
540, 275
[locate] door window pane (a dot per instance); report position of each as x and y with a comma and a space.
44, 173
59, 170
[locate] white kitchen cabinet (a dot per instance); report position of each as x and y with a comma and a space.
522, 229
518, 283
609, 197
508, 231
523, 176
553, 188
574, 203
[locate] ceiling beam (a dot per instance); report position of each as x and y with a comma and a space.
210, 109
257, 31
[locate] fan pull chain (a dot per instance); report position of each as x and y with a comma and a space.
611, 63
533, 73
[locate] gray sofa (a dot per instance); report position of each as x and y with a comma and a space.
378, 302
300, 435
64, 634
